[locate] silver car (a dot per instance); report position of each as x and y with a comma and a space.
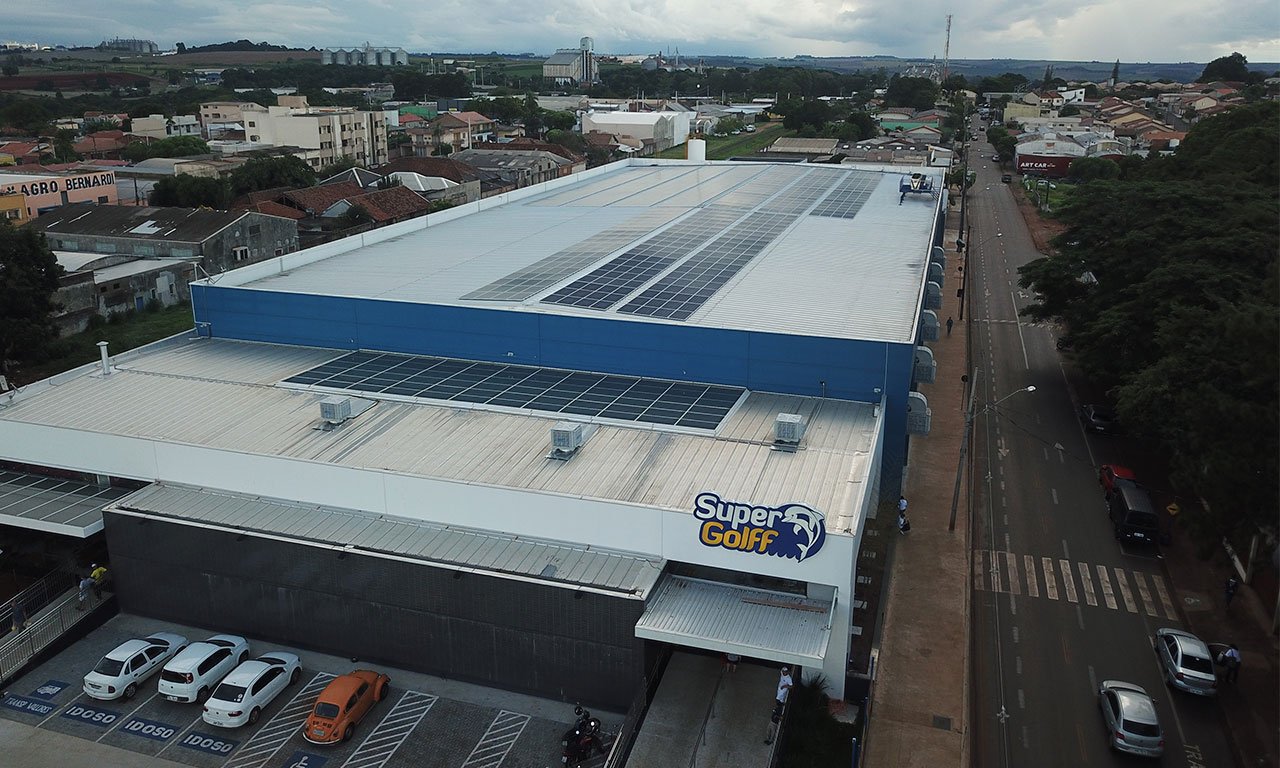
1186, 661
1130, 717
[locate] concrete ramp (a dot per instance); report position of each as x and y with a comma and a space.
672, 734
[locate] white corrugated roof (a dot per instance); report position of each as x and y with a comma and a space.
617, 572
859, 277
221, 394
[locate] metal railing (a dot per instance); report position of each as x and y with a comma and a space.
620, 750
34, 598
44, 629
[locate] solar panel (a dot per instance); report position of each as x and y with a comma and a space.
543, 274
847, 198
555, 390
760, 188
687, 287
799, 196
610, 283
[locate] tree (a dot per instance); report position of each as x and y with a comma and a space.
1093, 168
557, 120
180, 47
186, 191
28, 115
915, 92
865, 125
64, 146
532, 116
10, 69
29, 275
1069, 110
815, 114
1233, 68
1167, 279
269, 172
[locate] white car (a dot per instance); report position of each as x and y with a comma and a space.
118, 673
250, 687
193, 673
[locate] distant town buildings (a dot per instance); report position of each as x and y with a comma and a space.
130, 44
322, 135
572, 67
367, 56
161, 127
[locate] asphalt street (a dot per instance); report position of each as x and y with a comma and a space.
1059, 604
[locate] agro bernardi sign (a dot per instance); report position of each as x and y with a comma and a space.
792, 530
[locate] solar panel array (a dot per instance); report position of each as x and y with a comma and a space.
543, 274
847, 198
799, 196
554, 390
679, 294
761, 187
610, 283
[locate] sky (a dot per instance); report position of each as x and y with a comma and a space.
1059, 30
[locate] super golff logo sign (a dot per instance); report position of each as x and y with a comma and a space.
792, 530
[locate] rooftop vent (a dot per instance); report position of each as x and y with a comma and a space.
566, 438
788, 430
336, 409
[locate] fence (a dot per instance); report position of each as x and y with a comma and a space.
34, 598
630, 728
44, 629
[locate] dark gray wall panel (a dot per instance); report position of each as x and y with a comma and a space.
516, 635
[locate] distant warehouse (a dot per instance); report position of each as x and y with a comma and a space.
367, 56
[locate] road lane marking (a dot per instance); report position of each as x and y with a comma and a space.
1104, 581
1158, 582
995, 571
1123, 585
1033, 586
1054, 492
1087, 584
1050, 585
1147, 604
1067, 583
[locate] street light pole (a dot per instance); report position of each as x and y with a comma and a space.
969, 416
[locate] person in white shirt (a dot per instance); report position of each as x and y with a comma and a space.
780, 701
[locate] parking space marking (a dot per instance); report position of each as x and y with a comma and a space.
1163, 594
1104, 581
125, 718
264, 744
1050, 584
497, 741
1067, 583
185, 730
1123, 585
1086, 584
1147, 604
384, 740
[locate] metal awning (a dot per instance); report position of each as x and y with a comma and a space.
54, 505
750, 622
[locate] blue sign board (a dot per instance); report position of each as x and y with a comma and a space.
792, 531
150, 729
103, 718
300, 759
214, 745
50, 689
31, 706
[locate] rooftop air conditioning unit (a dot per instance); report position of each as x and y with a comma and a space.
335, 409
788, 428
566, 437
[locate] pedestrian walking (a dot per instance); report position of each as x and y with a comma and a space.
779, 703
1231, 661
1230, 591
18, 614
904, 525
99, 575
86, 584
949, 324
731, 662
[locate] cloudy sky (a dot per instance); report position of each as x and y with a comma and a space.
1106, 30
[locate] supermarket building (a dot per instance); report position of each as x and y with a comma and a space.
533, 441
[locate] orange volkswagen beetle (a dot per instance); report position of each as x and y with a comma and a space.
342, 704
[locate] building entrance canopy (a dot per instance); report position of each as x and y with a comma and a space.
756, 623
53, 504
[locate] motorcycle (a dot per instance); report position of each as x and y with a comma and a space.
580, 740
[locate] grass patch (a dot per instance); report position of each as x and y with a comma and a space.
815, 739
123, 332
725, 147
1049, 199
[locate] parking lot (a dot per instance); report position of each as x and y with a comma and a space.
423, 721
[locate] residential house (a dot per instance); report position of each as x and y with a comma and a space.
23, 152
474, 184
460, 130
103, 144
577, 163
521, 168
384, 206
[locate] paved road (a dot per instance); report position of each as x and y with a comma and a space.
1059, 605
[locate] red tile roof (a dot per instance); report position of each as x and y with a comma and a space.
462, 119
443, 167
409, 117
391, 203
272, 208
316, 200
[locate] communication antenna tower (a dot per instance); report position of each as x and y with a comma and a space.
946, 52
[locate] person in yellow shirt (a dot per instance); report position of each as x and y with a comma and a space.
99, 575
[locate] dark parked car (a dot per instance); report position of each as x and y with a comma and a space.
1133, 516
1097, 418
1006, 178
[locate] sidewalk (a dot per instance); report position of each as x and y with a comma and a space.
919, 711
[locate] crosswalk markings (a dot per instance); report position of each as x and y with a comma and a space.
1125, 594
1000, 571
1050, 586
1165, 602
1067, 584
1086, 584
1145, 594
1104, 583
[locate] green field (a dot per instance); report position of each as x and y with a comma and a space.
130, 331
725, 147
